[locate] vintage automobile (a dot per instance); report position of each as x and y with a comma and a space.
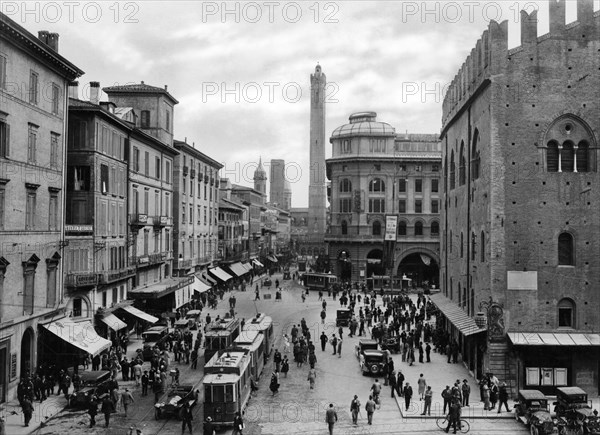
183, 325
193, 317
154, 336
93, 383
343, 317
574, 412
370, 358
175, 400
532, 409
267, 282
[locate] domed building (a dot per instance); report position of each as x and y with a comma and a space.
374, 173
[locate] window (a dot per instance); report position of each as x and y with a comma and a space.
435, 206
168, 171
344, 228
377, 145
29, 268
104, 299
183, 207
418, 206
435, 168
482, 247
146, 201
345, 186
184, 185
146, 163
345, 147
566, 313
452, 171
168, 121
377, 228
55, 99
402, 228
4, 138
435, 185
418, 185
115, 295
136, 159
462, 243
565, 250
567, 157
145, 119
2, 72
191, 215
32, 143
402, 185
104, 180
377, 185
146, 238
157, 168
567, 146
402, 206
2, 205
435, 228
345, 205
475, 157
53, 212
77, 307
54, 150
33, 87
376, 205
473, 244
462, 165
30, 209
418, 228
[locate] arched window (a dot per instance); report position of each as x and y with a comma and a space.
461, 165
452, 170
377, 228
473, 243
377, 185
435, 228
567, 157
552, 157
570, 145
450, 241
345, 186
475, 157
582, 156
418, 228
344, 228
402, 228
566, 313
566, 251
462, 245
482, 242
445, 174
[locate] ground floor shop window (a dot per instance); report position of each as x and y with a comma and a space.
550, 376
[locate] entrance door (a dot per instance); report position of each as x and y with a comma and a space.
27, 352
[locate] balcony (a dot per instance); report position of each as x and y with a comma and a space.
138, 220
148, 260
78, 230
193, 173
212, 181
203, 260
81, 279
109, 276
160, 221
184, 264
186, 170
206, 178
361, 238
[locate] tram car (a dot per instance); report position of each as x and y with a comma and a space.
227, 385
254, 342
264, 324
220, 334
318, 281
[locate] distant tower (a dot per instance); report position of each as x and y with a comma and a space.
287, 196
277, 182
316, 187
260, 179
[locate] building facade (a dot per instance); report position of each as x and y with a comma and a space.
374, 174
277, 183
520, 223
34, 80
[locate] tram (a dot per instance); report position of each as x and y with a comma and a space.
226, 385
220, 334
264, 324
252, 341
318, 281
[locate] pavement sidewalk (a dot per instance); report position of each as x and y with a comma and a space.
14, 422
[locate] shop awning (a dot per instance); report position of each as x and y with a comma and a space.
199, 286
113, 322
81, 335
160, 289
257, 263
247, 266
272, 258
461, 320
140, 314
554, 339
221, 274
237, 268
206, 278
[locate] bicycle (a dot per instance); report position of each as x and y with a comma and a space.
442, 423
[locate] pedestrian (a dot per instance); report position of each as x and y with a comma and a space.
446, 395
92, 410
323, 315
453, 416
137, 372
408, 392
145, 382
285, 366
392, 382
126, 399
108, 408
422, 383
27, 407
116, 399
286, 344
428, 352
400, 383
493, 395
333, 342
274, 384
238, 424
330, 418
355, 409
208, 427
339, 347
312, 376
370, 408
427, 403
312, 359
466, 392
486, 397
186, 417
503, 398
324, 341
277, 360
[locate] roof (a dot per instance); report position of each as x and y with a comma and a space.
80, 334
461, 320
162, 288
374, 352
554, 339
247, 337
139, 88
189, 149
364, 128
86, 106
571, 390
532, 395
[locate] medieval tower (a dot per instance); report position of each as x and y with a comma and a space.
260, 179
316, 187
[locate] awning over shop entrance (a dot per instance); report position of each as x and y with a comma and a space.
140, 314
461, 320
199, 286
220, 273
81, 335
247, 266
113, 322
237, 268
257, 263
554, 339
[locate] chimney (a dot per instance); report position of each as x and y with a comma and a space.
528, 27
95, 92
53, 41
166, 89
43, 36
74, 90
557, 16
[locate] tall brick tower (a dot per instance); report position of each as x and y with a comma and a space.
316, 187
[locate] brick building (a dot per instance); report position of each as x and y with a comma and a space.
520, 225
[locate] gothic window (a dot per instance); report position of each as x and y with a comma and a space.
345, 186
475, 157
569, 146
462, 244
552, 156
473, 243
566, 253
566, 313
462, 165
377, 228
376, 185
482, 248
567, 157
452, 170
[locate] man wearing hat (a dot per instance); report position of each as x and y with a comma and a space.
466, 392
107, 407
126, 399
503, 396
330, 418
186, 417
209, 429
355, 409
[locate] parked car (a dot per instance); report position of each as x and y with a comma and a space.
93, 383
183, 325
574, 411
175, 401
370, 358
194, 317
154, 336
343, 317
532, 409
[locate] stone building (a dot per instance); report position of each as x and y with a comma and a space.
317, 206
376, 173
33, 89
520, 224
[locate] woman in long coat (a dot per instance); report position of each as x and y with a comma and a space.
312, 376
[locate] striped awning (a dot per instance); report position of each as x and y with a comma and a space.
113, 322
200, 286
455, 315
79, 334
237, 268
554, 339
140, 314
220, 274
247, 266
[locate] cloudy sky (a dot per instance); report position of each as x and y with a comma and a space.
241, 70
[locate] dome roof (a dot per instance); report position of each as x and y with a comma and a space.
364, 124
